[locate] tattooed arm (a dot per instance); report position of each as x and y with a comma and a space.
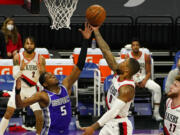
17, 69
106, 51
42, 65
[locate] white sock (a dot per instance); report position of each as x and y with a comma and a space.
3, 125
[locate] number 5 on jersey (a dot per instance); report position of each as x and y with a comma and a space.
63, 110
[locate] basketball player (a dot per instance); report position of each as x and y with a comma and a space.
54, 99
28, 65
142, 78
172, 114
119, 96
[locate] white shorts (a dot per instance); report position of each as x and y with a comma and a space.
25, 93
121, 126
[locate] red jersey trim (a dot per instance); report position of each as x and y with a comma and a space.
139, 56
118, 117
124, 128
174, 106
123, 80
166, 131
125, 85
29, 59
37, 88
28, 80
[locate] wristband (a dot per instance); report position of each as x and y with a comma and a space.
17, 91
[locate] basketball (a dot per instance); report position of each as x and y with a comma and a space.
95, 15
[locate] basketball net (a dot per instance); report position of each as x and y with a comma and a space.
61, 12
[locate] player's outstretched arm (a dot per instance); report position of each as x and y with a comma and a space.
69, 80
126, 94
40, 97
42, 65
105, 50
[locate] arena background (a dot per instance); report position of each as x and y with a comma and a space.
155, 22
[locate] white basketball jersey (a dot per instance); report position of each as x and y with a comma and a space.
30, 72
172, 119
113, 94
139, 76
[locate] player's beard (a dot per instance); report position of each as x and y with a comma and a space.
119, 72
136, 51
172, 94
29, 51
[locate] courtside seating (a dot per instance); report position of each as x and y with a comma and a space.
143, 98
43, 51
164, 84
89, 85
176, 57
6, 84
104, 69
91, 77
6, 78
107, 83
59, 66
127, 48
55, 66
93, 55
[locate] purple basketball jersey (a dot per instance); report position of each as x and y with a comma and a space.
57, 115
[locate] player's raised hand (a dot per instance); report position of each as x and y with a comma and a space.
88, 130
86, 33
94, 28
23, 64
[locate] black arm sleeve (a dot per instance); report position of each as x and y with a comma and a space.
82, 55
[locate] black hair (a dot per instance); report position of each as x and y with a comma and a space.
32, 39
134, 66
42, 78
177, 78
135, 39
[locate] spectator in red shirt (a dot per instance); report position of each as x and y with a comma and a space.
12, 37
